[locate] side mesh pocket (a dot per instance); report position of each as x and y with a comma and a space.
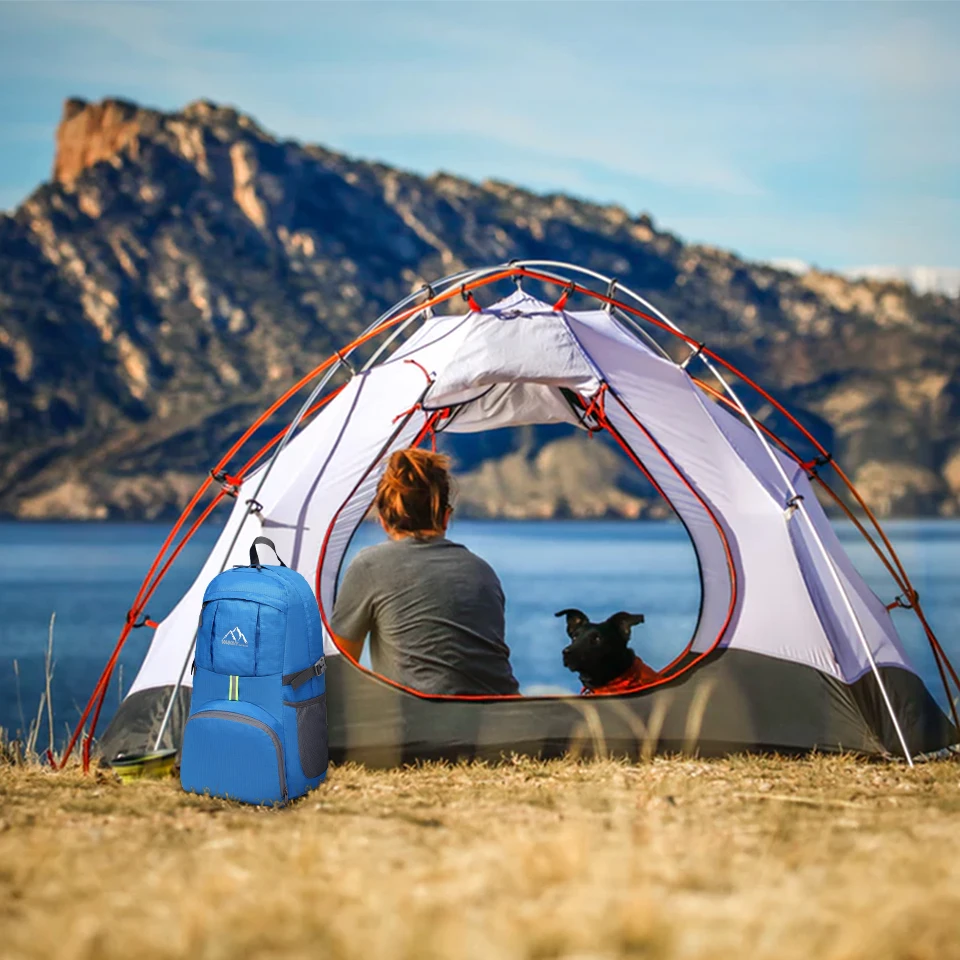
312, 734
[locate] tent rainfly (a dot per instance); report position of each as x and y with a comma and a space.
792, 651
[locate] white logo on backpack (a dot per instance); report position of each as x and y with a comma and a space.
234, 638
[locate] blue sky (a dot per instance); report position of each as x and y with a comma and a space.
828, 132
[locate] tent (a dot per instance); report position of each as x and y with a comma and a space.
792, 651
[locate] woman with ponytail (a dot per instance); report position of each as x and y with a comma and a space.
432, 609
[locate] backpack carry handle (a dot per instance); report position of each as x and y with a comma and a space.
254, 559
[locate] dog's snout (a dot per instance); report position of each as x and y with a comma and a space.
566, 655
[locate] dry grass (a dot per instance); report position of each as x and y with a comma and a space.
823, 857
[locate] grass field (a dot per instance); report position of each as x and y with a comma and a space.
748, 857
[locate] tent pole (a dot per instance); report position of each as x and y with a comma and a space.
799, 504
427, 313
307, 404
173, 695
518, 268
816, 537
538, 264
669, 324
236, 536
469, 276
824, 553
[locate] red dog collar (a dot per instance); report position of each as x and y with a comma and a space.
639, 675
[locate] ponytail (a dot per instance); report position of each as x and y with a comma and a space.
413, 495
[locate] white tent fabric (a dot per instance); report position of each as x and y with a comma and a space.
505, 366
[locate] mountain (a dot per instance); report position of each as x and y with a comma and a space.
180, 269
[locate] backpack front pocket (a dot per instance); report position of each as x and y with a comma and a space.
234, 750
312, 734
229, 638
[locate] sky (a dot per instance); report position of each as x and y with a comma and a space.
824, 132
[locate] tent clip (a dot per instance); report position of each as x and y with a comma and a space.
144, 621
230, 485
793, 504
610, 295
342, 358
254, 506
904, 601
565, 296
812, 467
468, 299
427, 306
693, 356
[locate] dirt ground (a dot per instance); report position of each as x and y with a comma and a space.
747, 857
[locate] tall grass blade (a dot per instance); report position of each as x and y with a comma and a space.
34, 731
698, 706
652, 740
48, 675
590, 729
637, 727
23, 720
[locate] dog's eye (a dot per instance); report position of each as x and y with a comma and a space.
596, 640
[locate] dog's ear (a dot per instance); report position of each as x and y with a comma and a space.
575, 620
622, 622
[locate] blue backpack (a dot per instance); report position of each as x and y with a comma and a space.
257, 729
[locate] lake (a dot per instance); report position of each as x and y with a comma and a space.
89, 573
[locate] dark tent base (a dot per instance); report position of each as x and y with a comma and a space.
734, 702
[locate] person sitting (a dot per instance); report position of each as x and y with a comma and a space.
434, 611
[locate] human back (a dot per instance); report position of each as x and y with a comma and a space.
433, 610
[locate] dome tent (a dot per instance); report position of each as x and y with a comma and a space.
791, 651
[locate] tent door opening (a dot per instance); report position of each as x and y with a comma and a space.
666, 644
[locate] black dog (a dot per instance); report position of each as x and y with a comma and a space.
600, 654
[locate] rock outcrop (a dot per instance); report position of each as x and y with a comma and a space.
572, 477
181, 268
89, 133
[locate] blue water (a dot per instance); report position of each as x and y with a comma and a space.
89, 573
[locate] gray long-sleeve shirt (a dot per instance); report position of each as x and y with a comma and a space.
435, 615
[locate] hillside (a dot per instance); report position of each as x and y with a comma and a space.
180, 269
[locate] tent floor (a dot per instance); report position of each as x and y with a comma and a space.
734, 702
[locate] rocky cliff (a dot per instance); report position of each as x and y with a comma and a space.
180, 269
